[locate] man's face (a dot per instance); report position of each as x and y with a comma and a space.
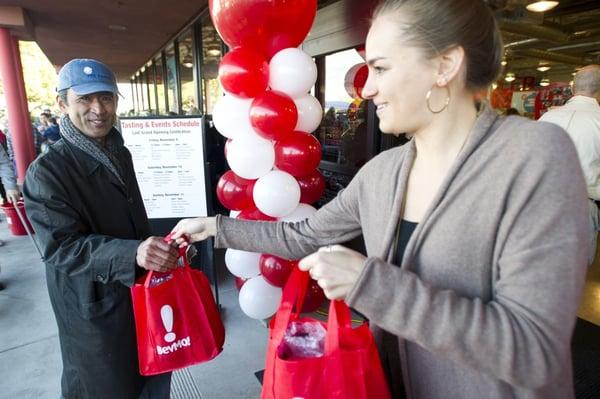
94, 114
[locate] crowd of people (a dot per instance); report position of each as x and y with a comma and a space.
477, 231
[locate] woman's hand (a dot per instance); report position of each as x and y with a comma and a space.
192, 230
335, 268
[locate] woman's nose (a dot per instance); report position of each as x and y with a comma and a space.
369, 90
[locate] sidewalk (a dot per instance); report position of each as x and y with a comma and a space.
30, 364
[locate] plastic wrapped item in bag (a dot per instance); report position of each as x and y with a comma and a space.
159, 278
303, 339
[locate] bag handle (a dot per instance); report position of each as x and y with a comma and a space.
339, 317
293, 294
182, 252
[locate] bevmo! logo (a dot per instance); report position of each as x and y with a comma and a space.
166, 315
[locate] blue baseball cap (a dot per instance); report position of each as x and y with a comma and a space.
86, 76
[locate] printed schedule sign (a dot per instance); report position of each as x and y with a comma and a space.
168, 157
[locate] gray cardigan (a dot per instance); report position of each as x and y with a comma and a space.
484, 302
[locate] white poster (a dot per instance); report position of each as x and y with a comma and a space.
169, 164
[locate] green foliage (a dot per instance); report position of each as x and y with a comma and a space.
40, 81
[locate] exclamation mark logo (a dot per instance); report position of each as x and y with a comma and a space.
166, 314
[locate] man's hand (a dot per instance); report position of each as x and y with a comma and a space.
13, 196
155, 254
197, 229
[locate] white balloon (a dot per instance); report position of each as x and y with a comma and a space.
250, 157
234, 214
231, 116
276, 194
302, 212
293, 72
241, 263
259, 299
310, 113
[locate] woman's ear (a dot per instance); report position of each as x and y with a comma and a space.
451, 64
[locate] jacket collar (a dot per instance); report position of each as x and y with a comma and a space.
87, 164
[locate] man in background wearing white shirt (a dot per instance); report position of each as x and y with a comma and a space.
580, 117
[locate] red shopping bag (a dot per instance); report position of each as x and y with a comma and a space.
349, 368
176, 320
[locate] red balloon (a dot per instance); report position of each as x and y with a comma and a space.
312, 187
298, 154
235, 192
267, 26
254, 214
244, 73
239, 282
273, 115
355, 80
314, 297
276, 270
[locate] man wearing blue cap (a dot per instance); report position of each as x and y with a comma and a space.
86, 208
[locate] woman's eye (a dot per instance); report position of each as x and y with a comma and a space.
378, 70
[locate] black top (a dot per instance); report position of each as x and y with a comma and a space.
406, 229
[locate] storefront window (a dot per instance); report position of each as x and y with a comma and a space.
133, 95
212, 52
189, 103
172, 80
343, 131
160, 86
138, 90
144, 86
152, 88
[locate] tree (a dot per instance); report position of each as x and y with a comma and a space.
40, 81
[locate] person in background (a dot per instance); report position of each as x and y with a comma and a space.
38, 139
8, 184
474, 229
580, 117
51, 134
44, 120
84, 203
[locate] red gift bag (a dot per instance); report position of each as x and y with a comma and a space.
349, 368
176, 320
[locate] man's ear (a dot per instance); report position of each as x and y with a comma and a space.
451, 65
61, 104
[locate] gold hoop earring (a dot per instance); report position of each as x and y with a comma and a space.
428, 96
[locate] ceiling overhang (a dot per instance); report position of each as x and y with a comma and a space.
122, 33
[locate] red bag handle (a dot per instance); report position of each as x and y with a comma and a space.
339, 317
182, 252
293, 293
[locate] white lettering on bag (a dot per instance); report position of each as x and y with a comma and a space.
165, 350
166, 315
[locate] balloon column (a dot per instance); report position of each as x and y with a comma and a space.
267, 114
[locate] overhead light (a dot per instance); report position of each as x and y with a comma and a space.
503, 63
571, 83
541, 6
510, 77
214, 52
187, 61
494, 86
545, 82
543, 68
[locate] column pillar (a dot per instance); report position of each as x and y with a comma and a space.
22, 94
18, 121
